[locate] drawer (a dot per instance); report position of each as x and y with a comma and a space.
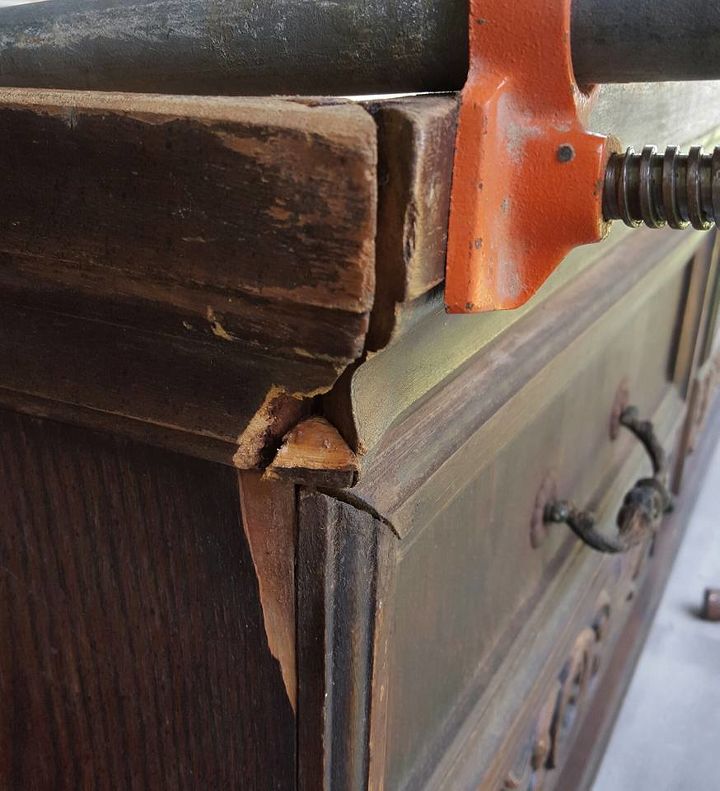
529, 715
466, 573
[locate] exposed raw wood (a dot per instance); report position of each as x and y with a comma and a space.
269, 521
165, 254
315, 454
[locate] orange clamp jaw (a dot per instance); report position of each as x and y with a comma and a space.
528, 176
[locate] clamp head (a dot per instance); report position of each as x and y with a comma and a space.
523, 158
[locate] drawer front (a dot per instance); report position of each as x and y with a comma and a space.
471, 572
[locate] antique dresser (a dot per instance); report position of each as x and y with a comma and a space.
269, 517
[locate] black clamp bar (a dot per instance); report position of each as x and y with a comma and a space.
316, 47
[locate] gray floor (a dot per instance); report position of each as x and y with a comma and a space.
667, 737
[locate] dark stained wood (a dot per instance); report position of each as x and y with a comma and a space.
133, 652
216, 193
337, 569
202, 398
416, 140
231, 240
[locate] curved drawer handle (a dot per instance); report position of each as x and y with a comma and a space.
644, 506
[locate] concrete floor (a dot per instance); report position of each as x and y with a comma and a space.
667, 736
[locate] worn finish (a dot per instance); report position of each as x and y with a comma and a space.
643, 508
468, 580
416, 142
209, 400
243, 48
466, 576
223, 249
134, 653
338, 553
539, 351
594, 732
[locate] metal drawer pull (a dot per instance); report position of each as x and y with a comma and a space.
644, 506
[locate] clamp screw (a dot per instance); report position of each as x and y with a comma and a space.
663, 189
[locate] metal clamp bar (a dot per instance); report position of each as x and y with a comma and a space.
315, 47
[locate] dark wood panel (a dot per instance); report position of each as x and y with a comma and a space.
416, 139
222, 249
203, 398
133, 651
224, 194
338, 551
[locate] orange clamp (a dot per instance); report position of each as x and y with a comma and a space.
528, 176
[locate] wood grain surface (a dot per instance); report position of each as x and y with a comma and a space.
133, 651
416, 145
338, 551
231, 240
270, 522
313, 453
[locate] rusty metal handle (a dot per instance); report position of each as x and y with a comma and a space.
643, 508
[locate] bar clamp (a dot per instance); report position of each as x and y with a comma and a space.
530, 181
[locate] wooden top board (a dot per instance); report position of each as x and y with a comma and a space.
204, 266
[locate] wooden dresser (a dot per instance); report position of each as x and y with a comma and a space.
271, 519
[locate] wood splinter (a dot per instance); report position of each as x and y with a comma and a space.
314, 454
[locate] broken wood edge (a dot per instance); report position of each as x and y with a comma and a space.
278, 412
314, 454
268, 510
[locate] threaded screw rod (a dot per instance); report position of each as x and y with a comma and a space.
663, 189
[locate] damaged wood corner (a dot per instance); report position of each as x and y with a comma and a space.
315, 454
278, 412
269, 520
